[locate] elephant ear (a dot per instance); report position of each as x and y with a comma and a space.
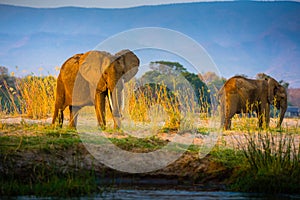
273, 86
92, 67
130, 63
281, 92
281, 95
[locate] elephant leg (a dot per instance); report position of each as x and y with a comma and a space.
58, 113
228, 116
267, 115
281, 115
55, 115
60, 117
222, 113
100, 109
227, 124
73, 116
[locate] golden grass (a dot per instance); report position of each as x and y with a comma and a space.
34, 97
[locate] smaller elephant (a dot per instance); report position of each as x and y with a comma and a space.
87, 79
243, 95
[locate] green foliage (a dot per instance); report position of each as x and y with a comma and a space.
274, 164
50, 182
174, 76
9, 96
229, 158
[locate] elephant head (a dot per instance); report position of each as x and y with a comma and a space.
106, 74
277, 95
278, 98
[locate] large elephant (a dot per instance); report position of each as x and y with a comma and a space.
87, 79
243, 95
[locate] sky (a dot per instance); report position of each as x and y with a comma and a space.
244, 38
91, 3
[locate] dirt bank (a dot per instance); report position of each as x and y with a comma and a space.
31, 152
188, 170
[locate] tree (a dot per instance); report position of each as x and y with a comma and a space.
8, 92
3, 71
214, 84
173, 73
213, 81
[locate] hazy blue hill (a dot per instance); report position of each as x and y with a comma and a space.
242, 36
207, 17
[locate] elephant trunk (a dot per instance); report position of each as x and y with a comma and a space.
283, 108
281, 103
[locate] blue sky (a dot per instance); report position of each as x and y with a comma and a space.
240, 37
92, 3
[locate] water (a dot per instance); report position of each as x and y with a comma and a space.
171, 194
125, 194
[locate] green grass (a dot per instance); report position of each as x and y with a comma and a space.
51, 184
272, 164
27, 137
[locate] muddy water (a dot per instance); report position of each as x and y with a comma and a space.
186, 195
128, 194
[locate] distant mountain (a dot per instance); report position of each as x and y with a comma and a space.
294, 96
242, 37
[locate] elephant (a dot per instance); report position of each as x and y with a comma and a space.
243, 95
88, 78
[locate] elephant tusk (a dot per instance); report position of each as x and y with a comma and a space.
123, 97
110, 101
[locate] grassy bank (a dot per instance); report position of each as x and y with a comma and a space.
45, 161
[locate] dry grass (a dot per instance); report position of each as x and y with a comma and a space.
37, 96
33, 97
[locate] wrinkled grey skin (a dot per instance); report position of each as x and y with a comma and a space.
87, 79
242, 95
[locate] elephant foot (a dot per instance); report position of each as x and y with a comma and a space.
72, 126
117, 122
102, 126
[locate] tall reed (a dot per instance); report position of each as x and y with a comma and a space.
37, 96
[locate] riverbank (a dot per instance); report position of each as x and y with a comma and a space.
37, 159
